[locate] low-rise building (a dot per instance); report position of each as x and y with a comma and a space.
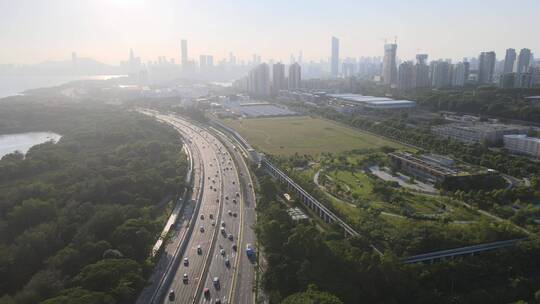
443, 171
522, 144
534, 100
371, 102
424, 167
471, 133
297, 215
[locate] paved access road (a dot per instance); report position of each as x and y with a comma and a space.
227, 197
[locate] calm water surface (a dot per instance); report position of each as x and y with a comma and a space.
21, 142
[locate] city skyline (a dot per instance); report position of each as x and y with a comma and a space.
156, 29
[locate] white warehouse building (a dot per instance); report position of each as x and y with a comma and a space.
471, 133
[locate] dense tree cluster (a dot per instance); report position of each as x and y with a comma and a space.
300, 257
504, 103
78, 218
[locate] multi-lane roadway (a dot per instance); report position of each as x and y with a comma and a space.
214, 267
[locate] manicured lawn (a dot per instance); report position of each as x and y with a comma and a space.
358, 182
304, 135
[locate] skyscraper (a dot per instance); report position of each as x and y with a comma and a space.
507, 81
202, 61
421, 72
486, 65
335, 57
406, 76
295, 76
509, 61
524, 60
232, 59
259, 80
524, 81
278, 77
440, 75
184, 54
467, 66
458, 74
389, 72
421, 58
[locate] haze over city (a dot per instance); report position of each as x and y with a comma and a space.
36, 31
269, 152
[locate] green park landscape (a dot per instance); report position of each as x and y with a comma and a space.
304, 135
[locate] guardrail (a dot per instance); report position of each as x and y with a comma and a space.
235, 134
160, 292
467, 250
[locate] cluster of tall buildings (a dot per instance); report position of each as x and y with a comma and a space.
520, 73
484, 70
259, 82
516, 71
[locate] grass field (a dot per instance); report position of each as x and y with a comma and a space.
304, 135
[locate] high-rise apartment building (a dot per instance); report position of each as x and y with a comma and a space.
524, 80
259, 80
486, 66
184, 54
440, 74
389, 72
202, 61
524, 61
278, 77
467, 66
295, 76
335, 57
507, 81
421, 72
509, 60
458, 74
406, 76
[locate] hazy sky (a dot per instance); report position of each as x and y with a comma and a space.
37, 30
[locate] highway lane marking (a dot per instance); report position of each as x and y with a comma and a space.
239, 239
219, 213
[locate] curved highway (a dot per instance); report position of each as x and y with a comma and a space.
218, 272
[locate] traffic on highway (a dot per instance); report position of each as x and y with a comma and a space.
216, 265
